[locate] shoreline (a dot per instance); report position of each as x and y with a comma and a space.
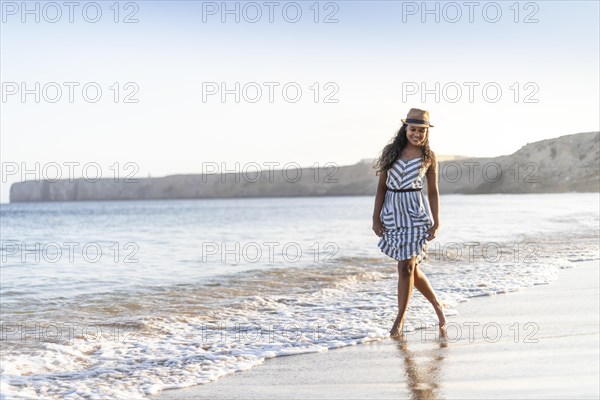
518, 352
566, 192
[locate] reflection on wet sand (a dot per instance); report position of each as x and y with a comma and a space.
423, 368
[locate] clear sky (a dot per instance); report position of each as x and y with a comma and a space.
359, 69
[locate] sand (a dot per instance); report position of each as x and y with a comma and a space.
548, 348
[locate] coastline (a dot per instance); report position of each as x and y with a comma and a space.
540, 342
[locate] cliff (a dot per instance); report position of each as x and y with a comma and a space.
568, 163
564, 164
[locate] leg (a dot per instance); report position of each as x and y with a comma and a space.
422, 284
406, 279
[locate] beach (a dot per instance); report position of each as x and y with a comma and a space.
213, 200
186, 304
539, 342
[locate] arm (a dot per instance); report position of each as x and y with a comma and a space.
433, 193
379, 199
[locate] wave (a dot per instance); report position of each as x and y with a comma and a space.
132, 344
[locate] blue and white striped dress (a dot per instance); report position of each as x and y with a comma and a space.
405, 216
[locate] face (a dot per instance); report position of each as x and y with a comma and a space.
416, 135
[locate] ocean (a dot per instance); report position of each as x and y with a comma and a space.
124, 299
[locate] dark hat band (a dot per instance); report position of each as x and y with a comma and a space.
416, 121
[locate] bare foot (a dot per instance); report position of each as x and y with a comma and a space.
439, 310
443, 332
396, 330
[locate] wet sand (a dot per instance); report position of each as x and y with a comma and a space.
540, 342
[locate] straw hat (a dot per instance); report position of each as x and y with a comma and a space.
417, 117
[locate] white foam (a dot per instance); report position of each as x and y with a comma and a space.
178, 349
175, 352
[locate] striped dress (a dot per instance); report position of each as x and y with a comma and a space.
405, 216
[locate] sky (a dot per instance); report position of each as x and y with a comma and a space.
156, 88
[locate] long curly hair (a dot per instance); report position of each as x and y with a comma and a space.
392, 151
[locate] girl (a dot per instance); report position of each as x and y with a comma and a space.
400, 218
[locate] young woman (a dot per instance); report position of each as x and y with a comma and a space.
400, 217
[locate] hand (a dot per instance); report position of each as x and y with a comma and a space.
378, 227
432, 232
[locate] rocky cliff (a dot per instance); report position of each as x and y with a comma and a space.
567, 163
